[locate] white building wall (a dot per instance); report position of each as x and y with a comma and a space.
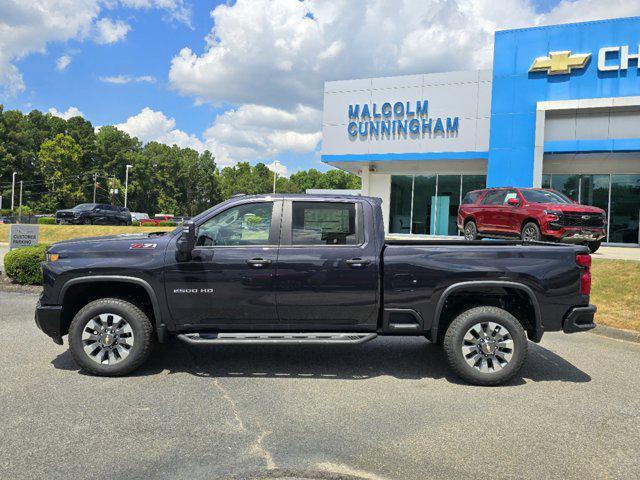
466, 95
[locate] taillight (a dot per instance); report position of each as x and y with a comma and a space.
584, 260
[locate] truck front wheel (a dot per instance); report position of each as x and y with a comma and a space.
485, 346
110, 337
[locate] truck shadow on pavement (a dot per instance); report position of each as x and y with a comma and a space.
402, 358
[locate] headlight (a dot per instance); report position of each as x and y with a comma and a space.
51, 257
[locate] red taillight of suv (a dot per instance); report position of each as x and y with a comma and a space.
584, 260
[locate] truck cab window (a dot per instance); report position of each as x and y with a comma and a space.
316, 223
247, 224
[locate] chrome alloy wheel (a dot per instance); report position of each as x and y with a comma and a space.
487, 347
470, 231
107, 339
530, 234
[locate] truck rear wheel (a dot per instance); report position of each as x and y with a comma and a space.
485, 346
110, 337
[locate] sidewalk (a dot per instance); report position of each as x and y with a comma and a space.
617, 253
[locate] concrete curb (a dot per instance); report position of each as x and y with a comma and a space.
617, 333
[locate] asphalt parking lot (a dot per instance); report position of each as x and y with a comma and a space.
386, 409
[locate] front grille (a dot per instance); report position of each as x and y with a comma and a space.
594, 220
64, 215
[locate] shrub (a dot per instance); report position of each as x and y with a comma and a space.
46, 221
135, 223
22, 265
166, 223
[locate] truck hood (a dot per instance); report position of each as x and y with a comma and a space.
112, 243
575, 208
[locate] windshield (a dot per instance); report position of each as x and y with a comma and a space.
84, 206
545, 196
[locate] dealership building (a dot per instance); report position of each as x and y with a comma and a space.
560, 109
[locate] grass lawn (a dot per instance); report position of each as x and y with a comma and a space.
55, 233
616, 292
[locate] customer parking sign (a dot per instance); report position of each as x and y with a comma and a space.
22, 236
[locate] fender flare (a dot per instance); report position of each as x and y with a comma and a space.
160, 327
537, 334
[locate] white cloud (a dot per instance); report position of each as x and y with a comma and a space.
153, 126
71, 112
27, 26
109, 31
253, 132
279, 168
63, 62
176, 9
122, 79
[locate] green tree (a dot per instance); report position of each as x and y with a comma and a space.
60, 162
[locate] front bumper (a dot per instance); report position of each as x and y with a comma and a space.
49, 320
579, 319
576, 234
69, 221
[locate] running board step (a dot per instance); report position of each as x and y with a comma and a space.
275, 338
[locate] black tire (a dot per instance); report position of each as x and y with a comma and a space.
454, 342
87, 221
531, 232
594, 246
139, 323
470, 230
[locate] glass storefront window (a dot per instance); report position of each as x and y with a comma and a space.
546, 180
594, 190
400, 204
567, 184
424, 205
625, 209
428, 204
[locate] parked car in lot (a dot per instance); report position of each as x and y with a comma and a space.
160, 217
94, 214
139, 216
296, 269
6, 220
532, 214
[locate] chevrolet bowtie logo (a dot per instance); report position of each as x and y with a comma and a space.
558, 63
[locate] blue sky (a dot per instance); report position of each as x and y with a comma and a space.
245, 81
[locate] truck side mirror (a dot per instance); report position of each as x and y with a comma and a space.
187, 242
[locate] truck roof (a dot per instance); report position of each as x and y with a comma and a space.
302, 196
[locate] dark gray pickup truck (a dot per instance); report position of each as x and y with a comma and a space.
309, 269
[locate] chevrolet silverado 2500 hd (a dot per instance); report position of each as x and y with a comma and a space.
309, 269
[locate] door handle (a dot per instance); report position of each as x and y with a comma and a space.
358, 262
258, 262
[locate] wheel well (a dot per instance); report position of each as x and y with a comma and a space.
527, 220
514, 300
78, 295
468, 219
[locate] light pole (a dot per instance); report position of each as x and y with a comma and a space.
126, 183
13, 188
275, 173
20, 208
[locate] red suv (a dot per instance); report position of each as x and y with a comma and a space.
531, 214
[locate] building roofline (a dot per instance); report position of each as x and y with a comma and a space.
564, 25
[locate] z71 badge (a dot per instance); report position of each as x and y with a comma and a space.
142, 246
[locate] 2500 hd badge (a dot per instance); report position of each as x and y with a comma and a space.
193, 290
310, 269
